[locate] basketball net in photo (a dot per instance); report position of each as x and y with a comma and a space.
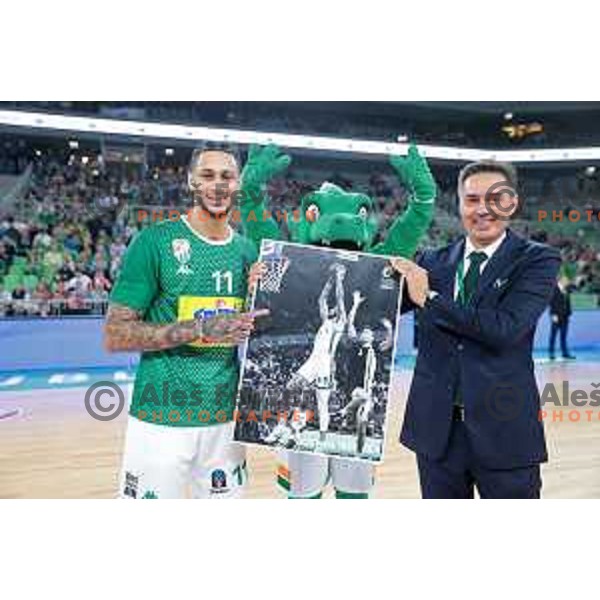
277, 266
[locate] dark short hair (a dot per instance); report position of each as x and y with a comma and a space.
214, 147
508, 171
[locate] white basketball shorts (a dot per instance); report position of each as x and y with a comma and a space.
163, 462
317, 372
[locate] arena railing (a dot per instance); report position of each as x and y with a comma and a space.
87, 308
43, 309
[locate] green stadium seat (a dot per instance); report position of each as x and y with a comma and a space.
11, 282
30, 282
20, 261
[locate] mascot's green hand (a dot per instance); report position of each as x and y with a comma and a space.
415, 174
264, 162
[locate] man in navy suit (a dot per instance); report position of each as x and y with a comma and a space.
560, 312
472, 415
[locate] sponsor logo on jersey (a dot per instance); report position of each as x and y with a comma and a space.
182, 251
196, 307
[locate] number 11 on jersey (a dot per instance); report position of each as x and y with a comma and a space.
220, 277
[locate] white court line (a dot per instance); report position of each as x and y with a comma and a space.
67, 379
12, 381
123, 376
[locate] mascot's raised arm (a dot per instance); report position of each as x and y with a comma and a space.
333, 217
262, 165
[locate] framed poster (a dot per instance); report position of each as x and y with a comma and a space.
316, 372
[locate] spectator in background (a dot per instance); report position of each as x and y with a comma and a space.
118, 248
42, 239
21, 295
560, 313
6, 309
42, 296
60, 293
99, 262
12, 233
53, 258
73, 242
5, 260
101, 282
67, 270
99, 297
80, 284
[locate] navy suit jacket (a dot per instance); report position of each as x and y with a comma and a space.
483, 353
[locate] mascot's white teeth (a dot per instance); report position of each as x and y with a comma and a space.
326, 243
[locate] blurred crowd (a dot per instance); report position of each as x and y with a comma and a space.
62, 244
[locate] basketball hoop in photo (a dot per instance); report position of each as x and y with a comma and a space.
277, 266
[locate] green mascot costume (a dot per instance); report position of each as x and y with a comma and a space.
335, 218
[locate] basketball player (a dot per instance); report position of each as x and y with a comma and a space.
179, 301
319, 369
280, 434
283, 434
361, 377
362, 366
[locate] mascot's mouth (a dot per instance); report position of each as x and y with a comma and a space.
340, 245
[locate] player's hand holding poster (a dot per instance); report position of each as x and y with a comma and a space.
317, 372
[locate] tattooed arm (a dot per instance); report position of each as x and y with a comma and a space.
125, 331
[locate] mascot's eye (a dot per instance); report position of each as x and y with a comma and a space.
312, 213
363, 213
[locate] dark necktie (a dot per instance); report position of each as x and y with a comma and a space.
470, 282
472, 277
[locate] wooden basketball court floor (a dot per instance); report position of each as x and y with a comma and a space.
54, 449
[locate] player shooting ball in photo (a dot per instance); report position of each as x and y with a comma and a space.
334, 218
180, 302
319, 368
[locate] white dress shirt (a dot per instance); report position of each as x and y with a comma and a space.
469, 249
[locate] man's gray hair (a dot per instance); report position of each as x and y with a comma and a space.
508, 171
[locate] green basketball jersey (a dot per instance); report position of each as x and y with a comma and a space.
171, 273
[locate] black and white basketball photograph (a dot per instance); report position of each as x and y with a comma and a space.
316, 372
